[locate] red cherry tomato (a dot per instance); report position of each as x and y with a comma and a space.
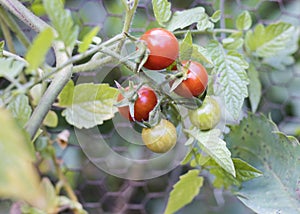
143, 105
163, 47
196, 81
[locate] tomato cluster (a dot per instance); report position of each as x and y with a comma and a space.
188, 80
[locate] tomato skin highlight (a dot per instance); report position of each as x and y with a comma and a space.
163, 47
160, 138
206, 116
196, 81
143, 105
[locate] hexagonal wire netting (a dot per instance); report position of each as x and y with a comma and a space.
100, 192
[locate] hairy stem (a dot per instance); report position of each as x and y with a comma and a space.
20, 11
214, 31
14, 27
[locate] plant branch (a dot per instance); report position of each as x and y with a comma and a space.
67, 187
214, 31
7, 36
20, 11
14, 27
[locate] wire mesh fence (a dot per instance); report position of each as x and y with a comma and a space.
100, 192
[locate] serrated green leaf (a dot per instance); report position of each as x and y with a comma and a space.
62, 22
244, 21
186, 47
284, 57
268, 41
204, 23
215, 147
10, 68
18, 178
244, 172
37, 52
216, 16
20, 109
184, 191
90, 105
200, 54
65, 98
182, 19
256, 141
51, 119
254, 88
234, 41
87, 40
162, 11
232, 80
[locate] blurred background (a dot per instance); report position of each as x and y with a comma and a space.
100, 192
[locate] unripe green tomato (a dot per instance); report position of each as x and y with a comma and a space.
206, 116
160, 138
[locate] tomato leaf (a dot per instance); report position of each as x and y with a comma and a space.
244, 172
186, 47
244, 21
200, 54
267, 41
87, 40
89, 105
65, 97
62, 22
162, 11
254, 88
231, 78
205, 23
37, 52
284, 57
234, 41
182, 19
215, 147
257, 141
10, 68
18, 178
216, 16
20, 109
184, 191
51, 119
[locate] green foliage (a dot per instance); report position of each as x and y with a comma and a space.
51, 119
87, 40
184, 191
162, 11
20, 109
244, 21
190, 51
254, 87
232, 78
216, 16
89, 105
186, 47
211, 143
37, 52
244, 172
182, 19
2, 43
233, 42
62, 22
257, 141
268, 41
10, 68
18, 178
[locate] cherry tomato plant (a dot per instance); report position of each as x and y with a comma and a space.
194, 82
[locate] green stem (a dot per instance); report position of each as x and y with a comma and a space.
7, 36
20, 11
214, 31
14, 27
